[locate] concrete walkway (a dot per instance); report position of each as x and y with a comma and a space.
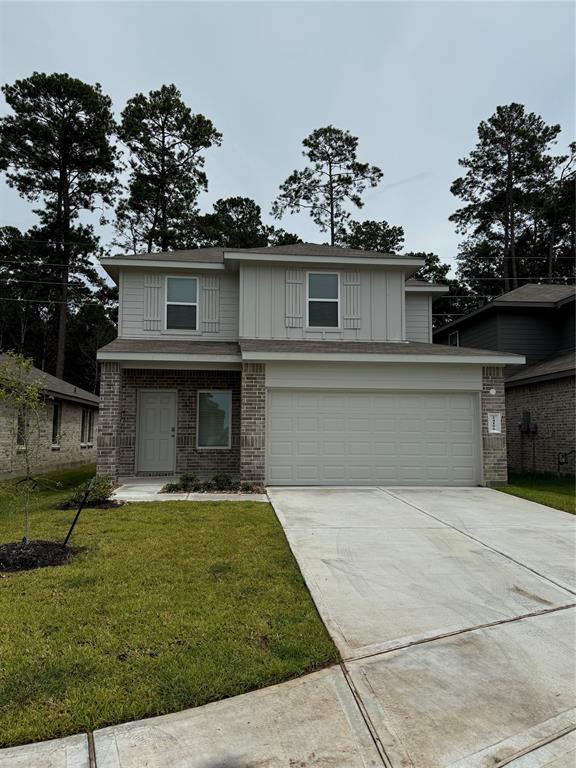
454, 612
149, 489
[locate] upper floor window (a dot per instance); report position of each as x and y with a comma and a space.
56, 422
323, 300
454, 339
181, 303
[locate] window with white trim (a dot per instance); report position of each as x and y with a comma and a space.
323, 300
214, 418
181, 303
87, 427
454, 339
56, 423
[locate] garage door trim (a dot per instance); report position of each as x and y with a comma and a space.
461, 473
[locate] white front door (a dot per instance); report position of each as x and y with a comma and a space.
156, 431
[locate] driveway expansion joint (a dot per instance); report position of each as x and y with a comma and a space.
473, 538
465, 630
537, 745
91, 750
366, 717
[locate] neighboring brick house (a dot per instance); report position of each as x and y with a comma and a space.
537, 321
67, 428
293, 365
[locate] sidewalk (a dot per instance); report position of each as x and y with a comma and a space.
311, 721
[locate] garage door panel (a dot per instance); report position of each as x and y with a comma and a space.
307, 424
334, 449
278, 448
373, 438
307, 448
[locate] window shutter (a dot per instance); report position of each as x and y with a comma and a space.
152, 302
210, 304
294, 298
351, 290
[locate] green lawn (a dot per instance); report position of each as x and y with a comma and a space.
557, 492
172, 605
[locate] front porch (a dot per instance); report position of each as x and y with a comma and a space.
163, 422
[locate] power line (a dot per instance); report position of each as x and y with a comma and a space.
42, 282
25, 263
52, 301
50, 242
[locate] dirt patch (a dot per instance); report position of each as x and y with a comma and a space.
24, 556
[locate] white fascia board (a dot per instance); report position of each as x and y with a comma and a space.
427, 289
166, 357
328, 260
160, 264
359, 357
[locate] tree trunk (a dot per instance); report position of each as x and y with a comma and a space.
506, 265
64, 227
510, 267
163, 206
551, 250
331, 193
62, 317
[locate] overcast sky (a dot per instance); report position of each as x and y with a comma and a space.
411, 79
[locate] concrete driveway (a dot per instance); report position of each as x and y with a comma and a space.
453, 610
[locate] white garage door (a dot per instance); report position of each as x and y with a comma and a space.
367, 438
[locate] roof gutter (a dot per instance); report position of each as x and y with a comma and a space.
359, 357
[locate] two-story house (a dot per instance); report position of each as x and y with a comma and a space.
293, 365
536, 321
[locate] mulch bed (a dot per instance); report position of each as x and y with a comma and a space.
23, 556
97, 505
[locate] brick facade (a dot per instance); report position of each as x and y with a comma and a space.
493, 445
70, 451
201, 461
253, 437
552, 407
246, 458
108, 422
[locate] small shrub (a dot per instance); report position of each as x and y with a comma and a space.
247, 488
222, 482
101, 491
189, 482
171, 488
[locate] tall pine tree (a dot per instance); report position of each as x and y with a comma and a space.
333, 180
55, 147
166, 142
503, 188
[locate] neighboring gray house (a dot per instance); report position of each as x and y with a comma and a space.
536, 321
68, 425
293, 365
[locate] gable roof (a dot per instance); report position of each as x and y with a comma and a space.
51, 385
533, 295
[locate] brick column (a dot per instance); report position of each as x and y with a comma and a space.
253, 423
109, 419
494, 445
